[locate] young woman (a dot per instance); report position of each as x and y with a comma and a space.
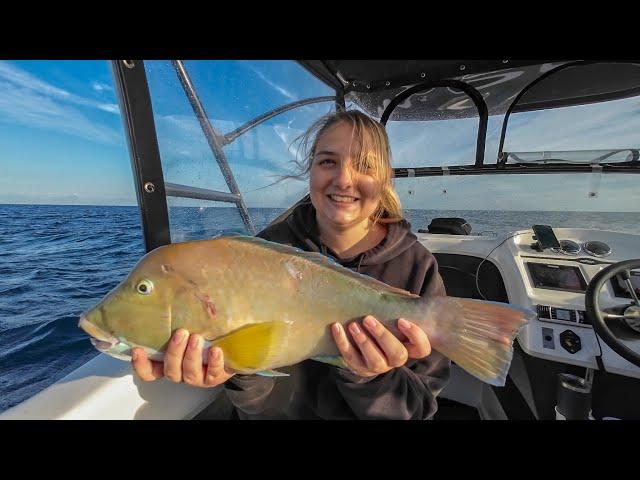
354, 216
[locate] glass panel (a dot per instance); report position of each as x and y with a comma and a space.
264, 156
497, 204
241, 90
608, 125
193, 219
435, 143
67, 236
234, 93
186, 156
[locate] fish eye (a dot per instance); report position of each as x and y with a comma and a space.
144, 287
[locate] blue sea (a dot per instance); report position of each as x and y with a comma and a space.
57, 261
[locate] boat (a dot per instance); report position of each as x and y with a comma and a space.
578, 359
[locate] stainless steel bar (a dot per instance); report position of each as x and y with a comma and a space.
185, 191
216, 141
231, 136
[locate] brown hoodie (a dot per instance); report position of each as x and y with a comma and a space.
320, 391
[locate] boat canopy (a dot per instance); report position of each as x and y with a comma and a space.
427, 90
373, 84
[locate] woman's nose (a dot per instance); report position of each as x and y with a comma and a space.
344, 176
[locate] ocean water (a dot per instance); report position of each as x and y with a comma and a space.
57, 261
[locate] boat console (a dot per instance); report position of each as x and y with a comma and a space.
553, 283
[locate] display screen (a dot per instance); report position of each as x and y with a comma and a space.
620, 286
563, 314
557, 277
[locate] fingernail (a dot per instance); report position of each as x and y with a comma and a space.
216, 354
370, 322
337, 328
178, 336
354, 328
134, 355
194, 341
402, 323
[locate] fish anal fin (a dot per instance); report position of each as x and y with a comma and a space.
335, 360
272, 373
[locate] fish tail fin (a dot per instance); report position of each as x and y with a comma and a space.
477, 335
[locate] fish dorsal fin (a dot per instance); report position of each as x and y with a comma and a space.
324, 261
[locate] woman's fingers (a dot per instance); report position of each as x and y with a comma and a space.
418, 345
174, 355
216, 372
349, 353
192, 371
183, 362
394, 351
373, 357
146, 369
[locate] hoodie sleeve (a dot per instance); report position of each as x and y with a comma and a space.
405, 393
249, 393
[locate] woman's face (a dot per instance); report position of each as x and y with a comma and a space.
341, 196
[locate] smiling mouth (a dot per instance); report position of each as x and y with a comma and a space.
342, 198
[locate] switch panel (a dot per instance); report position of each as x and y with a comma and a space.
547, 338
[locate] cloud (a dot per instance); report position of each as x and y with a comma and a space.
101, 87
271, 83
110, 107
27, 100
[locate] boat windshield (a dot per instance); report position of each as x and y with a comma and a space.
233, 93
236, 93
600, 133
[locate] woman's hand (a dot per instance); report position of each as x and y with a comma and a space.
375, 349
183, 362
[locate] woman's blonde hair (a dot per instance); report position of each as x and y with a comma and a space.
374, 157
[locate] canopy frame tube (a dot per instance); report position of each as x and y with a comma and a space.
523, 168
475, 95
132, 91
231, 136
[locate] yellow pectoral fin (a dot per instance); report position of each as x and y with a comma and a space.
254, 347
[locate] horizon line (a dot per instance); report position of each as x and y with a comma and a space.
284, 208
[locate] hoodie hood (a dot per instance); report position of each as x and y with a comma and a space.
399, 238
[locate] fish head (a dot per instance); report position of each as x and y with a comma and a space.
137, 312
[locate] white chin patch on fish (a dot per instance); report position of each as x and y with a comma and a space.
122, 350
96, 332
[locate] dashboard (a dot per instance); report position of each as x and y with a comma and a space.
552, 283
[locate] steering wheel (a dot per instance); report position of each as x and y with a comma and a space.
628, 314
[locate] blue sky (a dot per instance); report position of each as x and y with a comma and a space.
62, 140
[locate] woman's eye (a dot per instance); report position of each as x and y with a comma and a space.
326, 161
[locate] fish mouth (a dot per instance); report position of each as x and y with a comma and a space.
99, 338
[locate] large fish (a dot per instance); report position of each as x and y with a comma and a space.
268, 305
